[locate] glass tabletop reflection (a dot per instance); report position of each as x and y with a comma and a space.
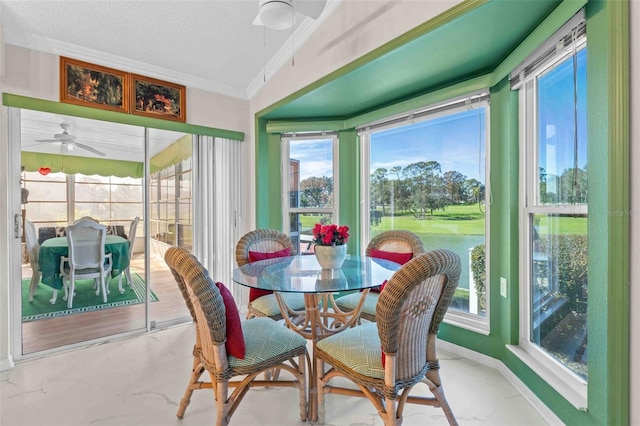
303, 274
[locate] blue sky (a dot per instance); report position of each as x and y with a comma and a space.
456, 141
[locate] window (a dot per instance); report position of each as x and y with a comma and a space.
170, 205
47, 198
109, 199
553, 219
309, 170
425, 172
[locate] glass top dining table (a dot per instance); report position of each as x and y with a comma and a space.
303, 274
320, 317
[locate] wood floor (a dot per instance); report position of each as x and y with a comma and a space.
52, 333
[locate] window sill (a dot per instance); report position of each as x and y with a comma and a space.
470, 322
569, 386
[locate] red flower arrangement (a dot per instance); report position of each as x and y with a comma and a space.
330, 235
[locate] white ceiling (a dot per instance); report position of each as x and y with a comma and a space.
209, 44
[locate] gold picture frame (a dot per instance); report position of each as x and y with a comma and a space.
158, 99
82, 83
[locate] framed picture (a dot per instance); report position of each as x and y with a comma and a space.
86, 84
158, 99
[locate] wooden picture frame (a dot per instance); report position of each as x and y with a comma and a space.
158, 99
82, 83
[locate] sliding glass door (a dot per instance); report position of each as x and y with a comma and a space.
136, 182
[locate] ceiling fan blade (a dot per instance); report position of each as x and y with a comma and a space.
90, 148
46, 140
310, 8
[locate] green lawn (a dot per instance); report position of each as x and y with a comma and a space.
456, 220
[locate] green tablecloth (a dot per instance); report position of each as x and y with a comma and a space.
53, 249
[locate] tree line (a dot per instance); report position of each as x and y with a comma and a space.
419, 188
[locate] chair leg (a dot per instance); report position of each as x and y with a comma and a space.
104, 289
221, 391
128, 275
55, 296
35, 280
196, 372
71, 292
438, 392
302, 375
120, 289
320, 390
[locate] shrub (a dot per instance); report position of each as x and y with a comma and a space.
478, 270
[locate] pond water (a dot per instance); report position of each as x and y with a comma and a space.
460, 244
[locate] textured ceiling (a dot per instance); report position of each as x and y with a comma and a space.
206, 44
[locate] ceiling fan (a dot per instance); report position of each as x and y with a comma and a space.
282, 14
68, 141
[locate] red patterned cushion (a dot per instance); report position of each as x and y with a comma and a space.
235, 339
254, 256
400, 258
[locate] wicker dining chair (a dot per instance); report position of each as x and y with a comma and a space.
268, 345
265, 243
387, 358
394, 242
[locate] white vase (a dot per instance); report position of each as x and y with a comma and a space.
331, 257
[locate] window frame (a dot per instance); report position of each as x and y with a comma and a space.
287, 210
465, 320
567, 383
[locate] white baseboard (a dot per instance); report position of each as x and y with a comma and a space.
6, 364
487, 361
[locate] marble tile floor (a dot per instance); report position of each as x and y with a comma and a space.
140, 380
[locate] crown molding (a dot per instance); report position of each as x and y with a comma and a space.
56, 47
293, 43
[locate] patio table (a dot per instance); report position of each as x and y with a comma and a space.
53, 249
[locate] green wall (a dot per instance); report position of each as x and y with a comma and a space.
608, 141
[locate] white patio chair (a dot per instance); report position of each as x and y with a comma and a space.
87, 258
33, 249
131, 238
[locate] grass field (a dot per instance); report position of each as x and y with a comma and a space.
458, 220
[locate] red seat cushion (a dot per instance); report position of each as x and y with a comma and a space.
400, 258
235, 339
254, 256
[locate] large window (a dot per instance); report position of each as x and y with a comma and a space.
553, 125
56, 199
425, 172
309, 181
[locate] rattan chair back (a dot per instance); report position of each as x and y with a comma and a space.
413, 305
264, 241
396, 241
267, 241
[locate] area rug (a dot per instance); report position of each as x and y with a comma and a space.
85, 299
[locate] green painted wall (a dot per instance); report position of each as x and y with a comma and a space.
349, 181
608, 130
